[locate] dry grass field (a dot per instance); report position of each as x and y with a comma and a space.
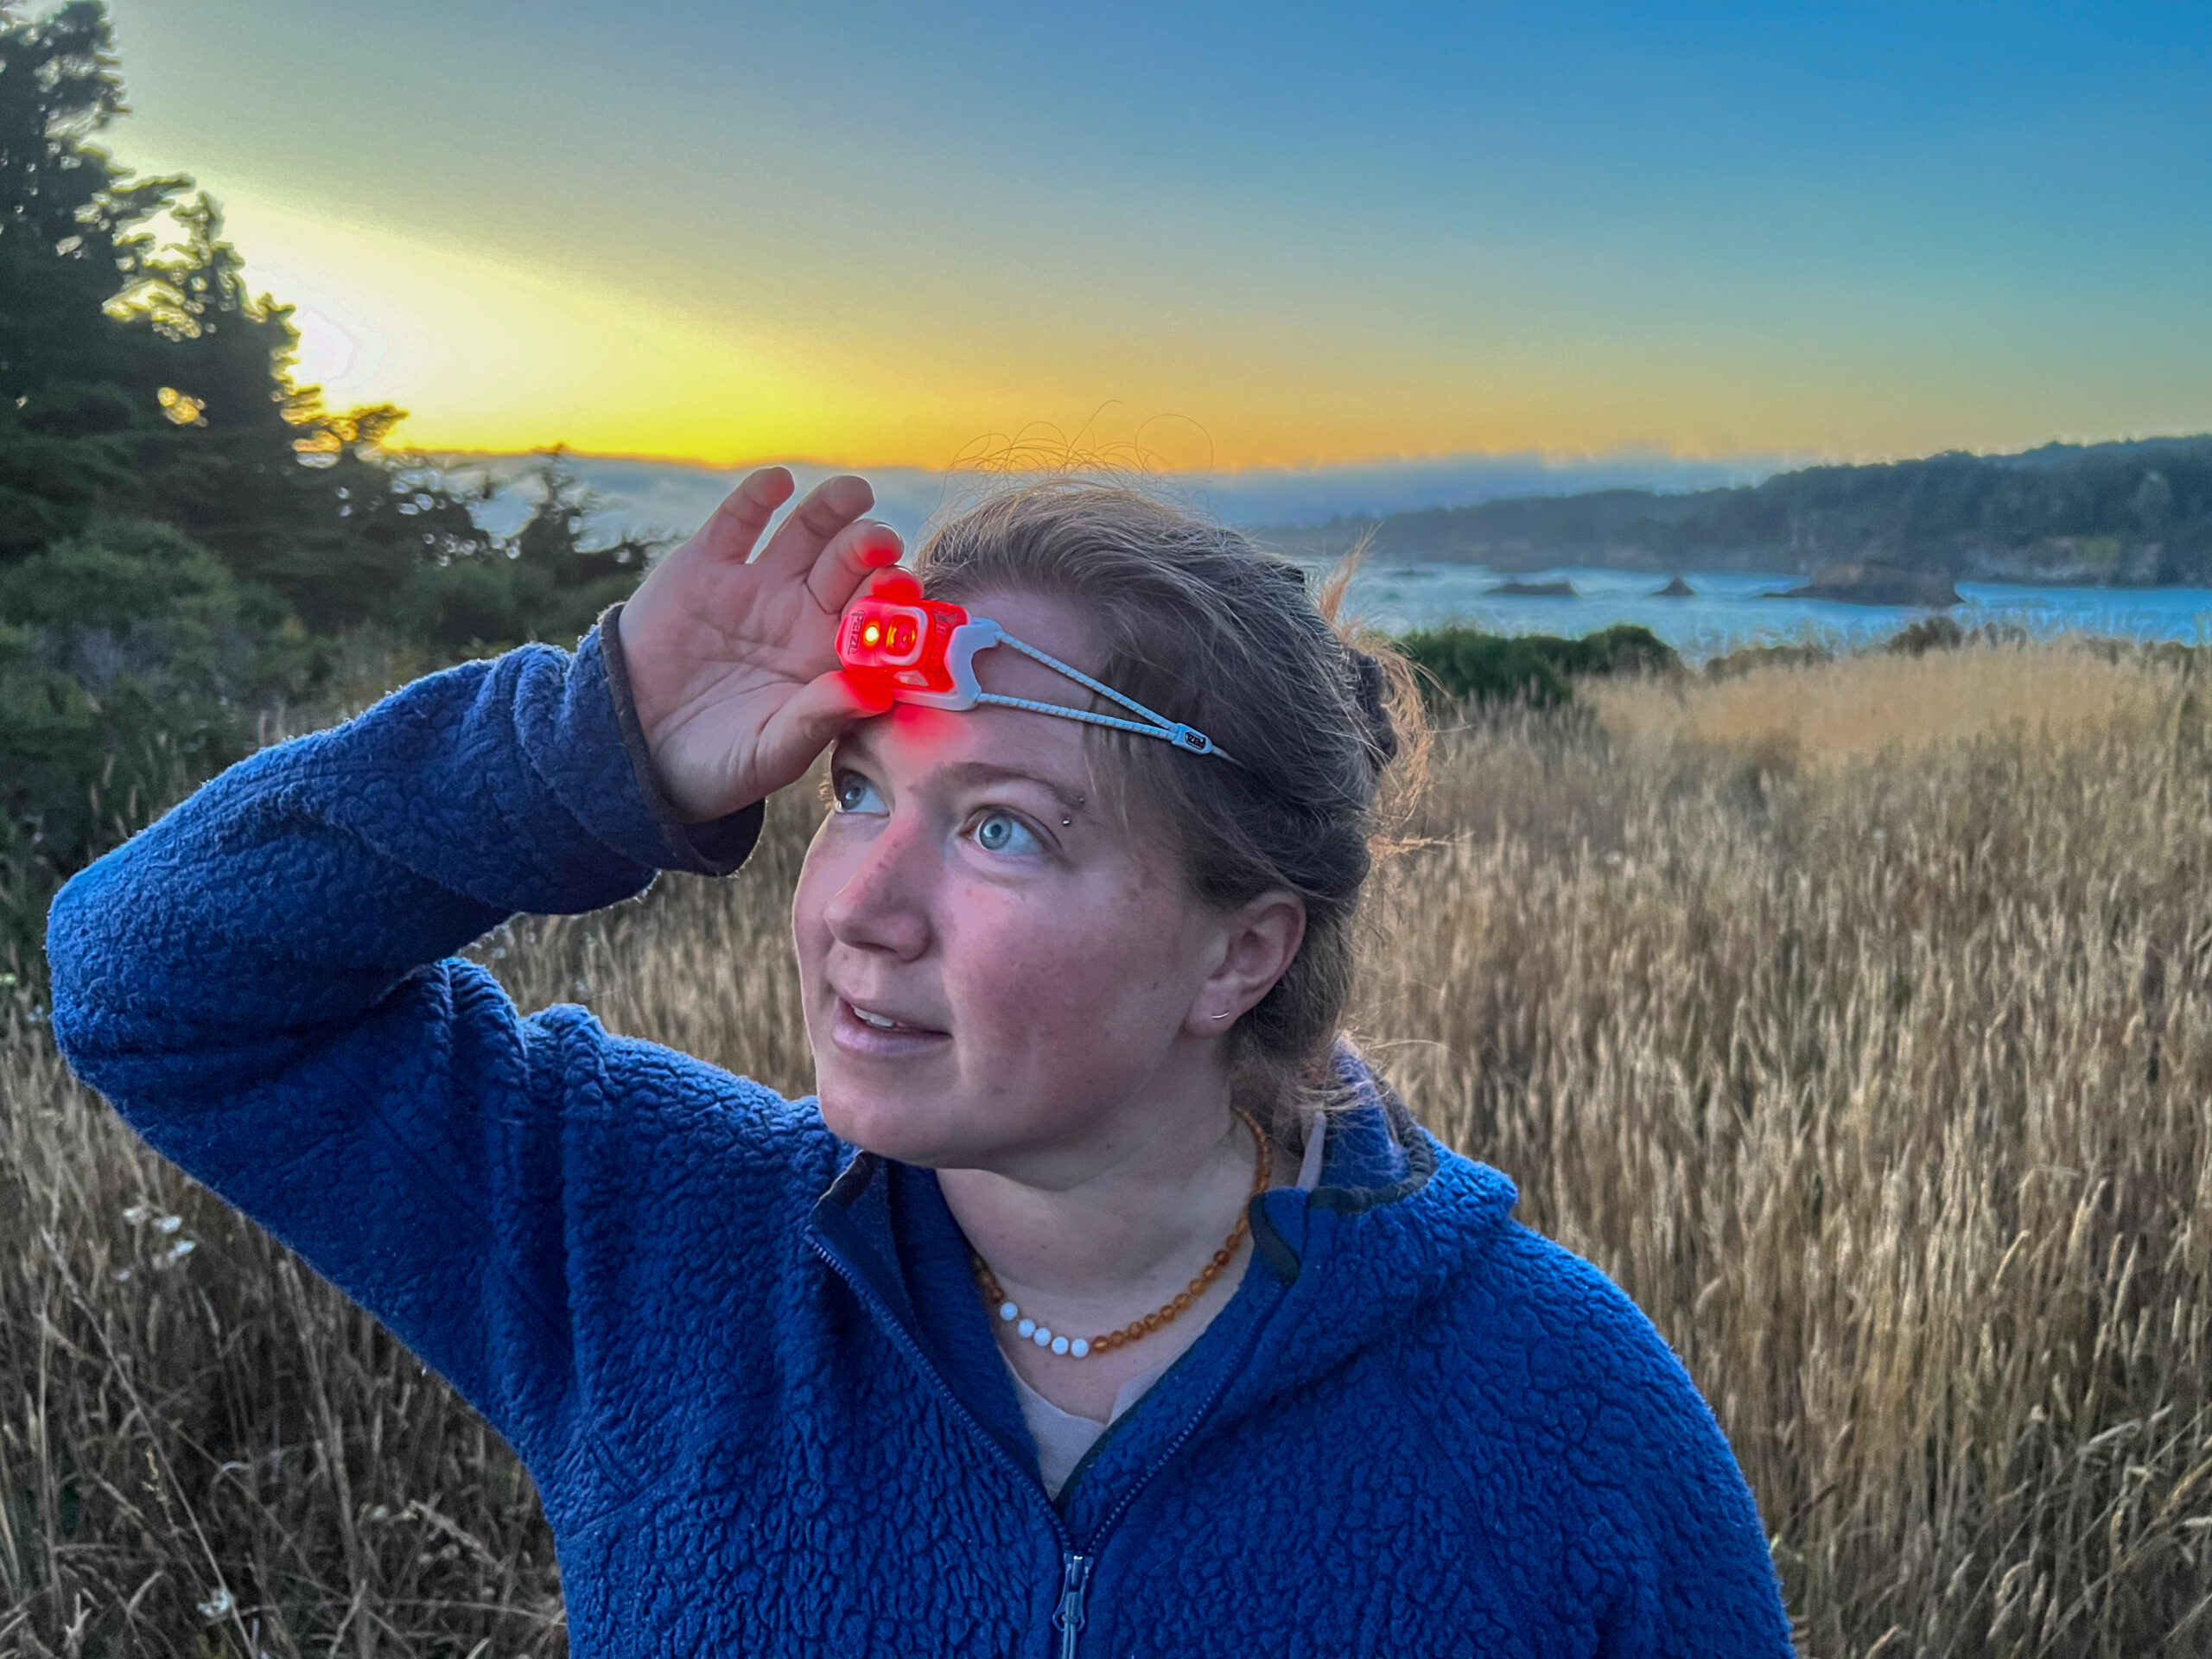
1857, 1017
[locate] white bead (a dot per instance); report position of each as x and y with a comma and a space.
1027, 1327
1043, 1338
1079, 1348
1059, 1344
1009, 1312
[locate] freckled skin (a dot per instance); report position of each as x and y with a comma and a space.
1064, 979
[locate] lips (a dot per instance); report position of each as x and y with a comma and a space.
876, 1020
884, 1034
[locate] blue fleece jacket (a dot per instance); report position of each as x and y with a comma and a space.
747, 1367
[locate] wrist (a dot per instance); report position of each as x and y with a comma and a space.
715, 845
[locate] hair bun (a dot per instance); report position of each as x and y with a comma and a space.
1371, 685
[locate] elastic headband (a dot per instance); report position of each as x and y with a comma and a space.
923, 652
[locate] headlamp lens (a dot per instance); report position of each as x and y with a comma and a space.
878, 636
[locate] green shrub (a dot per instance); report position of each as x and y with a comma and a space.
1463, 664
1930, 633
1748, 657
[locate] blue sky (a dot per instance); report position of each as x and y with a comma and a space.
1238, 235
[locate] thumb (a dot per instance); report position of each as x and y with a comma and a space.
811, 720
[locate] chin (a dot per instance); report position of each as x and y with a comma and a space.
888, 1125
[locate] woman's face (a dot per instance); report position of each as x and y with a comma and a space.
997, 962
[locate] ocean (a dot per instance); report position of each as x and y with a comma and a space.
1733, 611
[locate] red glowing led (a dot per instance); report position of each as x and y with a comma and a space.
898, 644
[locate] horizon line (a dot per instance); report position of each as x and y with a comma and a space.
1783, 460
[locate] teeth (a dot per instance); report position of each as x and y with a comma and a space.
880, 1021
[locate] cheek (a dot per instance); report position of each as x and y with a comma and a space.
818, 881
1082, 974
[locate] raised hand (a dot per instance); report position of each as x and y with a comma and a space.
732, 660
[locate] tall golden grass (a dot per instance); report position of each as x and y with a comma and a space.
1856, 1017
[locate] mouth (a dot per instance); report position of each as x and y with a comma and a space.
878, 1033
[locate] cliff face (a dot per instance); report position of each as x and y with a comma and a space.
1878, 584
2124, 514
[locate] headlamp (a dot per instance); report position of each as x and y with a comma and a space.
919, 651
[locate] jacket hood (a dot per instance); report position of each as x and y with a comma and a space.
1395, 1222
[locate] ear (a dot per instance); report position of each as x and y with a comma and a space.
1259, 941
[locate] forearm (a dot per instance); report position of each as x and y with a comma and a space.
297, 889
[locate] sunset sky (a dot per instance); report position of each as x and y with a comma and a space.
1262, 235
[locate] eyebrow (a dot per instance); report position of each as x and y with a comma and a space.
985, 771
971, 773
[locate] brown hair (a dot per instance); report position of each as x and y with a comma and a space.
1200, 625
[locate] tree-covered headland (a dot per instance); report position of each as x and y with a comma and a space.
2131, 513
191, 543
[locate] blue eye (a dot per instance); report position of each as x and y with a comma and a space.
853, 793
1001, 832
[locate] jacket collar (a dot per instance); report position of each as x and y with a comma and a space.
1394, 1220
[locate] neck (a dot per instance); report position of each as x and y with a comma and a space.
1110, 1218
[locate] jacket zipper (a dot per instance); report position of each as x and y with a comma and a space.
1182, 1438
922, 1364
1075, 1564
1074, 1569
1075, 1583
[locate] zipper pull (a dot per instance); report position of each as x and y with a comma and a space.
1075, 1582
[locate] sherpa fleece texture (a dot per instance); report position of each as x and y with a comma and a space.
747, 1367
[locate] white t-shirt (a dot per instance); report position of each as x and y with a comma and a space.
1064, 1438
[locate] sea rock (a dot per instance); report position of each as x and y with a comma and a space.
1677, 589
1873, 583
1532, 590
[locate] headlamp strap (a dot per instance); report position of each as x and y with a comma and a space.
1189, 739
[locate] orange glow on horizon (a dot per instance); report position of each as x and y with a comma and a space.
492, 355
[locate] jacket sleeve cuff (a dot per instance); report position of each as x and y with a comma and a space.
715, 848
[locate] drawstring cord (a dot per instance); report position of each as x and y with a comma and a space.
1186, 738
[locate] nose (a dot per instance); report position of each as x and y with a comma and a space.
883, 904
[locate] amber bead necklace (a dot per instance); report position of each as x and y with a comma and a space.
1136, 1330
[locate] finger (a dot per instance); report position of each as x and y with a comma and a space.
854, 554
829, 507
812, 720
744, 513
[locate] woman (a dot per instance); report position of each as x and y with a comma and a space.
1101, 1304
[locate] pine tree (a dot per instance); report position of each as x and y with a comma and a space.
184, 529
74, 393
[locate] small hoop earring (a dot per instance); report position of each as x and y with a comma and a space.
1221, 1016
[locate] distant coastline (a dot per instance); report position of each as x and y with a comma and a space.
2122, 516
